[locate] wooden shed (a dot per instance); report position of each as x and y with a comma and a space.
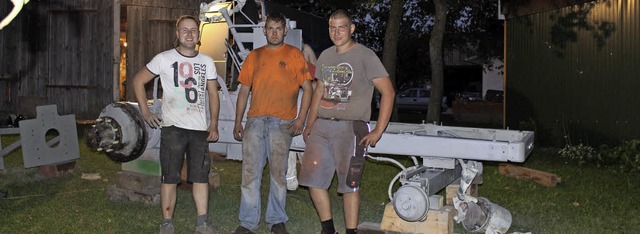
572, 70
76, 53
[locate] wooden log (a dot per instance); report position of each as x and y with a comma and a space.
438, 221
541, 177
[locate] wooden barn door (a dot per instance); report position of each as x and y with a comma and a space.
80, 56
150, 30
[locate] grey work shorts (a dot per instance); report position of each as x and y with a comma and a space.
328, 150
175, 143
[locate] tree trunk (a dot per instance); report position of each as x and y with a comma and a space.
390, 50
437, 64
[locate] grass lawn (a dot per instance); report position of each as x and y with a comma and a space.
589, 199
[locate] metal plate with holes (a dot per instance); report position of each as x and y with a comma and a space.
33, 134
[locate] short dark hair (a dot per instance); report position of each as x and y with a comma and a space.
341, 14
185, 17
277, 17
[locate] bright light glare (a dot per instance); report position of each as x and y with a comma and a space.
17, 7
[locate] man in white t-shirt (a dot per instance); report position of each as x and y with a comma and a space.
188, 79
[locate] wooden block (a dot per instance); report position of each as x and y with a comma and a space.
438, 221
214, 180
436, 202
541, 177
138, 182
55, 170
452, 189
370, 228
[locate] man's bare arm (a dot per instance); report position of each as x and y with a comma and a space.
384, 86
139, 80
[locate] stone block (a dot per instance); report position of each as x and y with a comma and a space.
138, 182
124, 195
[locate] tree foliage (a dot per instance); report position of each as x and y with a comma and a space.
472, 27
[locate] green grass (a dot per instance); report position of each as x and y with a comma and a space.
588, 200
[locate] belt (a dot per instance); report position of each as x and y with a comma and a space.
331, 119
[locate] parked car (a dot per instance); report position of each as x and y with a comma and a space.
414, 99
469, 96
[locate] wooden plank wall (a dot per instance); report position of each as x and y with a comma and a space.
150, 30
22, 56
61, 53
80, 56
193, 5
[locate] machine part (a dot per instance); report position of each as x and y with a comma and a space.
119, 131
482, 216
395, 178
292, 178
33, 133
429, 140
104, 135
478, 214
356, 164
470, 170
411, 203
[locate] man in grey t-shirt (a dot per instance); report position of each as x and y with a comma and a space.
337, 132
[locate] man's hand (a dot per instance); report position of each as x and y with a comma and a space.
238, 131
371, 139
213, 133
296, 127
151, 119
305, 133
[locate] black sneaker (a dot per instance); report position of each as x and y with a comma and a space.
279, 228
242, 230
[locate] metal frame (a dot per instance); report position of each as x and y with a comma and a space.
39, 151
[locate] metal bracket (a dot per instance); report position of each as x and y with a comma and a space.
33, 132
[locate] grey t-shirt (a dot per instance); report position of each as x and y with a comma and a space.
348, 82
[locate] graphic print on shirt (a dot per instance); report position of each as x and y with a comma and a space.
191, 78
337, 86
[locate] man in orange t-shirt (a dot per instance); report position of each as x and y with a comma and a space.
273, 74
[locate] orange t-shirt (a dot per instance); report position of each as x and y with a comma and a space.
275, 77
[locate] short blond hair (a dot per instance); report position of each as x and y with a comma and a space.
185, 17
341, 14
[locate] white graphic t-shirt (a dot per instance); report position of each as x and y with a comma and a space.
184, 84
